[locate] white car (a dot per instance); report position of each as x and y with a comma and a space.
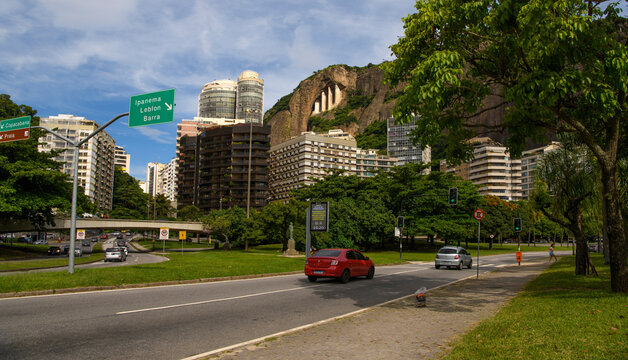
117, 254
453, 256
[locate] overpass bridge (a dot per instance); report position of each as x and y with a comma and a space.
11, 226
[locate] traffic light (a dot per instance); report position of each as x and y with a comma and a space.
400, 222
517, 224
453, 196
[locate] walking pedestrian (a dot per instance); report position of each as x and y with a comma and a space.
551, 254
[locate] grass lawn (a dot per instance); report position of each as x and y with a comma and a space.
42, 260
557, 316
174, 244
182, 266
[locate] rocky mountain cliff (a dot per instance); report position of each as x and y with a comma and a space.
364, 98
349, 98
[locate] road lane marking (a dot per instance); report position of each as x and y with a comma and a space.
243, 296
217, 300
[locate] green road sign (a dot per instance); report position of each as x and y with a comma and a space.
152, 108
15, 124
15, 129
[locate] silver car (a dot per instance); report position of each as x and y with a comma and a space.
453, 256
117, 254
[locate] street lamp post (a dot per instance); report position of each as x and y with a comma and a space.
77, 145
248, 187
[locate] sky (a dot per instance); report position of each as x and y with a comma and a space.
87, 58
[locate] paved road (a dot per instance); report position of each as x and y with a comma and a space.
173, 322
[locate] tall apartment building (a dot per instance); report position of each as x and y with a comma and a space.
169, 181
250, 97
491, 169
154, 181
400, 145
218, 99
214, 167
297, 162
122, 160
369, 162
227, 99
529, 158
96, 156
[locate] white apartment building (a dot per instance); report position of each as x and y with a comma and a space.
529, 159
491, 169
169, 180
122, 160
96, 156
154, 182
297, 162
369, 162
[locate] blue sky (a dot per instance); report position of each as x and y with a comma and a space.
87, 58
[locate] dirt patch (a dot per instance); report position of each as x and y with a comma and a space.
399, 330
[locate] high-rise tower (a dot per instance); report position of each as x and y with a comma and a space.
250, 97
218, 100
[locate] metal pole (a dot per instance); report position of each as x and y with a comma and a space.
248, 187
478, 256
308, 235
73, 216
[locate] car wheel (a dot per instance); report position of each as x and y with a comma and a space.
470, 264
346, 275
437, 266
312, 278
371, 273
460, 265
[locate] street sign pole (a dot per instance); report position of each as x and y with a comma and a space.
478, 265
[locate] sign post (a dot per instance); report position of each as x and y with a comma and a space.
317, 219
15, 129
478, 214
151, 108
163, 236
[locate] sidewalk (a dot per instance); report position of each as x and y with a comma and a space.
399, 330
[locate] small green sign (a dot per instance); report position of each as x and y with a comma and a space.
15, 124
151, 108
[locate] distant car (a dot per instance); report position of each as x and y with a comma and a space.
85, 242
104, 236
40, 242
94, 239
121, 243
595, 248
24, 239
124, 248
78, 252
112, 254
342, 264
120, 236
453, 256
65, 249
54, 250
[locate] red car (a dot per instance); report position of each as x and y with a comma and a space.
338, 263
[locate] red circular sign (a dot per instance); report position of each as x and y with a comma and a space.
478, 214
164, 232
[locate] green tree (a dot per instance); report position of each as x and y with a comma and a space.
129, 201
190, 213
557, 66
32, 186
572, 182
275, 219
160, 207
227, 223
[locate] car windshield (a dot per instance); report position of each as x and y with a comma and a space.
327, 253
448, 251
